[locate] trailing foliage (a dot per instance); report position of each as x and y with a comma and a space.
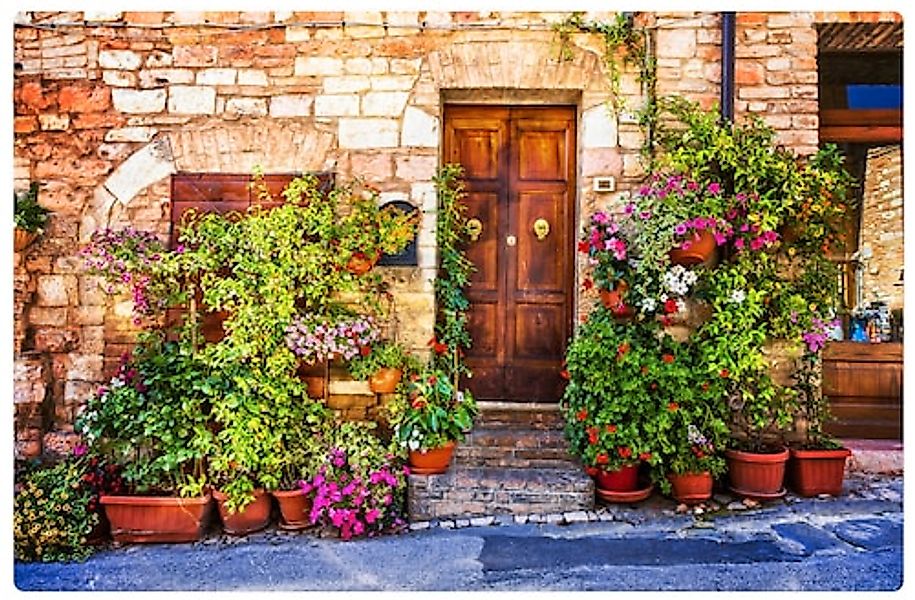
27, 213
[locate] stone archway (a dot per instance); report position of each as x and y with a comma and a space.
274, 146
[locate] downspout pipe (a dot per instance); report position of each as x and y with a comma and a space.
728, 28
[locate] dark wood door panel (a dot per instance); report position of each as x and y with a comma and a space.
519, 167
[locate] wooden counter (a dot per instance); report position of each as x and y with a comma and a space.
864, 385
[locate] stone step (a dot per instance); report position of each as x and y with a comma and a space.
476, 491
512, 415
486, 446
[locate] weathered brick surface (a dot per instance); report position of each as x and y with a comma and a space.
882, 225
102, 117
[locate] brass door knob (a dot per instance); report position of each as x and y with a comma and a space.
474, 229
541, 229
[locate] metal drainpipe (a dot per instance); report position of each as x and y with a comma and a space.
728, 21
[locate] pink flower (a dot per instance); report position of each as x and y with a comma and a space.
739, 243
714, 188
371, 516
80, 450
629, 209
720, 238
680, 229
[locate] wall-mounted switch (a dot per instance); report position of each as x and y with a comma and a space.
604, 184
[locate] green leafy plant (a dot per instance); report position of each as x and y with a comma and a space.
431, 411
383, 355
152, 418
27, 213
52, 519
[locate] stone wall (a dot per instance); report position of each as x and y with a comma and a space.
109, 104
882, 225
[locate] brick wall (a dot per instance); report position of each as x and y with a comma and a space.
882, 225
109, 104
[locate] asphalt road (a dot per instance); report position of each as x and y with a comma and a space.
852, 543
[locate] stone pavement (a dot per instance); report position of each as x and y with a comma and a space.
853, 542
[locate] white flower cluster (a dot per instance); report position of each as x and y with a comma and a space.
678, 280
737, 296
648, 305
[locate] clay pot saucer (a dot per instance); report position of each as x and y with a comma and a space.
624, 497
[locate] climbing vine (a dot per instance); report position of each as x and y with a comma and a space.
621, 34
451, 335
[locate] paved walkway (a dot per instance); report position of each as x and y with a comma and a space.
853, 542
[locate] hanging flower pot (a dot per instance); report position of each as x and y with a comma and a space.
814, 472
314, 386
295, 507
695, 249
360, 263
156, 519
691, 488
253, 517
757, 475
431, 461
385, 380
22, 238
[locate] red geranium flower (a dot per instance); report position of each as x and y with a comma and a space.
365, 350
670, 306
725, 373
653, 386
601, 459
668, 358
582, 414
672, 406
583, 246
565, 374
587, 284
622, 349
611, 428
437, 346
592, 435
705, 386
624, 451
419, 403
646, 456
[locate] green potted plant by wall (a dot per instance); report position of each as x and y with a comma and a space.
610, 406
383, 366
151, 418
304, 451
29, 217
429, 418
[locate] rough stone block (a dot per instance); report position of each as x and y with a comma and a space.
368, 133
216, 76
246, 107
420, 129
192, 100
345, 85
124, 60
384, 104
252, 77
82, 98
52, 122
290, 105
56, 339
416, 168
56, 290
39, 315
138, 101
144, 167
679, 43
337, 106
309, 66
599, 128
195, 56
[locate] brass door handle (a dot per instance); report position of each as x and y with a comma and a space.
474, 229
541, 229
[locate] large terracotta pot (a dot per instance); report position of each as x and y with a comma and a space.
702, 247
295, 507
153, 519
253, 517
625, 479
757, 475
385, 380
691, 488
814, 472
431, 461
22, 239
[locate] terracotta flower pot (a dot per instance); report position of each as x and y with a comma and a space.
295, 507
625, 479
360, 264
253, 517
701, 248
431, 461
154, 519
757, 475
22, 239
691, 488
385, 380
814, 472
613, 300
315, 386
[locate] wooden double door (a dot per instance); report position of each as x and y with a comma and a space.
519, 166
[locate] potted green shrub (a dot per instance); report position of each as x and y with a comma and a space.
305, 449
383, 366
430, 417
817, 463
152, 420
610, 406
367, 231
29, 217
